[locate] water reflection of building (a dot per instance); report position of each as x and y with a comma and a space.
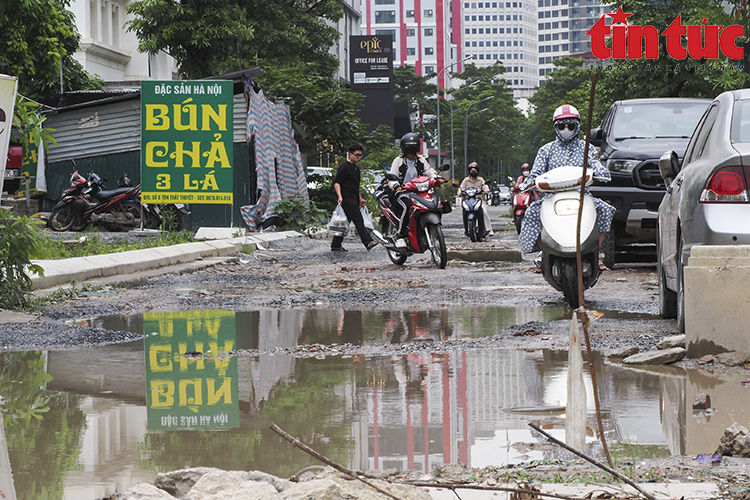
458, 407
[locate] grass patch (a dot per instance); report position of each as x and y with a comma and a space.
61, 295
94, 245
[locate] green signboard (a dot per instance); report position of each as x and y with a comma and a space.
187, 141
191, 379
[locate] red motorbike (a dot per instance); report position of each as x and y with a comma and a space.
424, 219
521, 201
87, 201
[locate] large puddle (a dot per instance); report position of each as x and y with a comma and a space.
100, 420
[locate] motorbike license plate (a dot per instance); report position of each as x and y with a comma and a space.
10, 173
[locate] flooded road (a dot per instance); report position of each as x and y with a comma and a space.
99, 420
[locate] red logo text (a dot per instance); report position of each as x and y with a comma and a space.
635, 42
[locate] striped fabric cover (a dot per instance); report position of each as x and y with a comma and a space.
271, 125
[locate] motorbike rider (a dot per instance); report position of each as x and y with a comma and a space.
525, 171
474, 180
408, 165
566, 149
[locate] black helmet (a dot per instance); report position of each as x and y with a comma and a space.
525, 166
473, 165
410, 143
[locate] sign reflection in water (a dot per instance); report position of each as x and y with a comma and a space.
191, 380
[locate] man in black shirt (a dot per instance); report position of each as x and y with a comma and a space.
346, 185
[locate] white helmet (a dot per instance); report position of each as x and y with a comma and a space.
566, 111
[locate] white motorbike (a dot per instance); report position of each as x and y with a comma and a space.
559, 218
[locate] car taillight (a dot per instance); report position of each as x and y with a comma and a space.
725, 186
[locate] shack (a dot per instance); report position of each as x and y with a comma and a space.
101, 131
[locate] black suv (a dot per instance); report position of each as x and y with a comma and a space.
633, 135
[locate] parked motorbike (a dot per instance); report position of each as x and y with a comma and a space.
559, 218
521, 201
88, 201
424, 219
170, 217
473, 207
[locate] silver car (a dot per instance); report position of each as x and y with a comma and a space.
708, 195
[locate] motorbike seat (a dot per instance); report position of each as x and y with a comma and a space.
111, 193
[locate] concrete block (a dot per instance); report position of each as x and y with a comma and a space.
132, 261
172, 255
720, 255
717, 299
217, 233
219, 248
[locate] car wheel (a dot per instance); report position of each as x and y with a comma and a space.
667, 297
680, 306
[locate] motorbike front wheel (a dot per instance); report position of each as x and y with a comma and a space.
569, 282
389, 230
518, 219
437, 246
62, 219
473, 230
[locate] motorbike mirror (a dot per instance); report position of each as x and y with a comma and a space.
391, 177
444, 167
669, 166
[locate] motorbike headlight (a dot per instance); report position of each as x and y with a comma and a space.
422, 187
567, 207
622, 167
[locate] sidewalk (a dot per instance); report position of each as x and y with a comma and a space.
59, 272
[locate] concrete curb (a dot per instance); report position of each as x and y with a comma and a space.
483, 255
59, 272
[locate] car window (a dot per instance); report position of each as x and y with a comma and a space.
704, 133
656, 120
741, 122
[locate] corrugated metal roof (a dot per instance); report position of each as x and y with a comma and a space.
111, 127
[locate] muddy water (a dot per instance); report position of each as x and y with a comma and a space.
100, 420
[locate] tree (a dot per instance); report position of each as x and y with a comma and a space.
568, 84
39, 34
288, 40
420, 96
495, 127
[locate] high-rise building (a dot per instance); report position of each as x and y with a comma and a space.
562, 27
347, 26
506, 32
421, 31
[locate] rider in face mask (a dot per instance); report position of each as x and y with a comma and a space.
566, 150
474, 180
